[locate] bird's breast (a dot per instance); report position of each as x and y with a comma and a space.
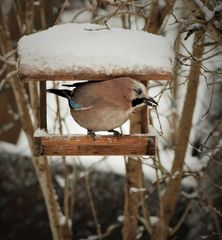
101, 118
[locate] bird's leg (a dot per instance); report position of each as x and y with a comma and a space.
115, 133
91, 133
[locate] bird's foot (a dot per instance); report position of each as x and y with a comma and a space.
115, 133
92, 134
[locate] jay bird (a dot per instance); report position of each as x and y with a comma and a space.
105, 105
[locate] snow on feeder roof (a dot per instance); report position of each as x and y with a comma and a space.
89, 51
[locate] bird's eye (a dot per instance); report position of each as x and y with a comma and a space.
139, 91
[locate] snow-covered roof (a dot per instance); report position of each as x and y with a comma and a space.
88, 51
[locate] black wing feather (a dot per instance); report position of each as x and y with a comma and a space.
61, 92
78, 84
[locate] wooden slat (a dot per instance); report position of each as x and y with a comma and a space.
76, 145
43, 104
68, 76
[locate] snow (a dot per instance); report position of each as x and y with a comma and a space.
120, 218
218, 8
154, 220
208, 14
206, 11
23, 144
62, 220
37, 3
90, 48
177, 173
40, 133
10, 148
136, 190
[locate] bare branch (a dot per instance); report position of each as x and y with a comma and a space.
92, 206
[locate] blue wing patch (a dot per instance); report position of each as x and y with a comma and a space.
74, 105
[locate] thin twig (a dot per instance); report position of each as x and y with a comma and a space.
92, 206
161, 210
73, 189
160, 125
211, 100
18, 16
4, 60
64, 6
211, 133
42, 15
182, 219
145, 209
65, 172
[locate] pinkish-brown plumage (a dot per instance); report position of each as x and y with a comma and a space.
105, 105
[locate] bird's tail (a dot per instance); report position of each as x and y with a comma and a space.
61, 92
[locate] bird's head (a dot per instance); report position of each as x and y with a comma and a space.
140, 96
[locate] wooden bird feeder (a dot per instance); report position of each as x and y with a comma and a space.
91, 52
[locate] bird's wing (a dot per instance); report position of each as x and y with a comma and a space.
61, 92
74, 105
85, 96
78, 84
96, 93
82, 106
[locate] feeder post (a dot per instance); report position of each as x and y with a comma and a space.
43, 106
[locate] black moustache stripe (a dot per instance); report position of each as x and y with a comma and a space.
137, 101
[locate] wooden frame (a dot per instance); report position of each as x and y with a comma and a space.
71, 76
49, 145
36, 66
43, 106
67, 145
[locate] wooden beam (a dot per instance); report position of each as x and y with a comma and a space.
43, 108
68, 145
87, 76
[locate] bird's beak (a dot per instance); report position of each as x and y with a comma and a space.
150, 102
